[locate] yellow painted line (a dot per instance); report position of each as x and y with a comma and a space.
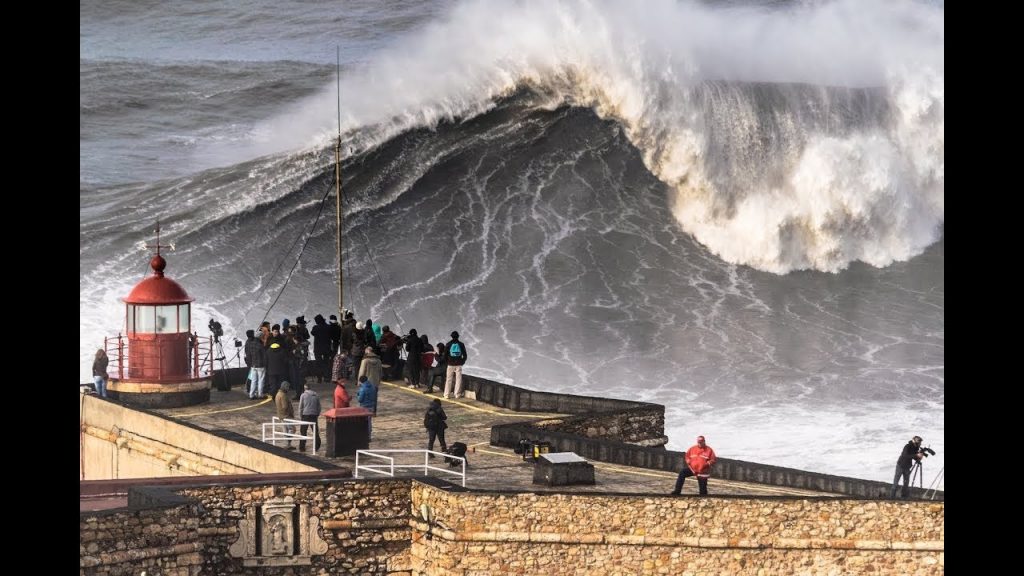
246, 407
417, 392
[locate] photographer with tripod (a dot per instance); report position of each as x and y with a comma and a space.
911, 455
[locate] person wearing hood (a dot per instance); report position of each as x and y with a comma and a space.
371, 366
309, 411
367, 398
285, 410
256, 360
99, 371
390, 344
370, 334
435, 423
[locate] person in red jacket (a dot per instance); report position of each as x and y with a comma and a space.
341, 397
699, 460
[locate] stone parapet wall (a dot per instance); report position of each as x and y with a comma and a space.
488, 533
412, 527
524, 400
641, 425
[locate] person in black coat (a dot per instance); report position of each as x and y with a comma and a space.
414, 348
455, 356
321, 347
277, 365
335, 333
911, 452
435, 423
256, 359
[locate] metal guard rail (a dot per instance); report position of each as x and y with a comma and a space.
389, 468
283, 435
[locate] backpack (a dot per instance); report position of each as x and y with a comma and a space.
456, 449
455, 350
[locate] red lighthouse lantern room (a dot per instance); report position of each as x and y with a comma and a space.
157, 358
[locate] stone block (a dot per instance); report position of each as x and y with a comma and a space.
562, 469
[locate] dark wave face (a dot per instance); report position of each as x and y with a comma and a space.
702, 246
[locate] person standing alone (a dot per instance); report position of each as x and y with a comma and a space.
435, 423
99, 371
699, 460
910, 453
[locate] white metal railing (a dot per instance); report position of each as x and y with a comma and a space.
279, 432
389, 468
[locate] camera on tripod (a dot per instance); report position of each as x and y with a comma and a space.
926, 451
216, 329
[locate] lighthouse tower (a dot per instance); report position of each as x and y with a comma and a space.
157, 358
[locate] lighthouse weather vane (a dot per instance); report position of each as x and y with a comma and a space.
158, 245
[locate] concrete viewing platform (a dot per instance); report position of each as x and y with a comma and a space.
399, 425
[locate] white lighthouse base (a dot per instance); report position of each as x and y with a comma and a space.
148, 394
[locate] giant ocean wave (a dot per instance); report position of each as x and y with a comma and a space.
734, 212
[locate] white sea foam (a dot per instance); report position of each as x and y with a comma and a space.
873, 194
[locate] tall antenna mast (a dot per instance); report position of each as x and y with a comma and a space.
337, 196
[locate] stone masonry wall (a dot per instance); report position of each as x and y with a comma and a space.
643, 425
167, 541
478, 533
365, 524
410, 527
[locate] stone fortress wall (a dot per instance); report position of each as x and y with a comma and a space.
429, 527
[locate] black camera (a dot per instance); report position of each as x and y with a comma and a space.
926, 451
216, 330
238, 343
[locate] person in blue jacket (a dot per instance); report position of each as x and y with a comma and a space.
367, 398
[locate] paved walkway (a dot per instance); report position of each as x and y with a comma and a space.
399, 425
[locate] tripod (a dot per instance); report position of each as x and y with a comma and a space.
219, 349
917, 474
933, 487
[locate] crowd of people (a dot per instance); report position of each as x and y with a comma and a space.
278, 360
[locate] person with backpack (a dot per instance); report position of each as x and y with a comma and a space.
434, 422
455, 355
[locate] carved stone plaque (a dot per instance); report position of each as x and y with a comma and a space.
277, 523
282, 541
